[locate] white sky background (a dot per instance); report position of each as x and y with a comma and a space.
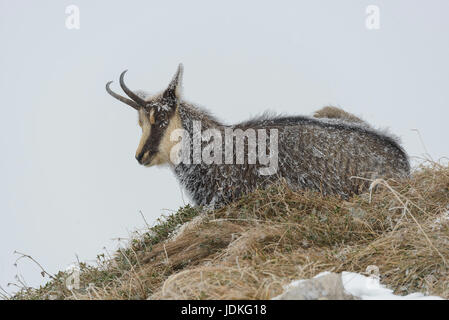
69, 182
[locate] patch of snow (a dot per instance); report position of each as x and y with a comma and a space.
352, 285
369, 288
440, 220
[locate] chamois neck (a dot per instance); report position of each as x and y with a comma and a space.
189, 112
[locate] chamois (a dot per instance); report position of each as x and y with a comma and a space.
328, 153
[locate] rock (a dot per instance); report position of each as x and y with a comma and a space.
325, 286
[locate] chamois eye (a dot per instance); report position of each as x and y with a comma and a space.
158, 117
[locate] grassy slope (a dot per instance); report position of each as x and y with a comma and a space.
251, 248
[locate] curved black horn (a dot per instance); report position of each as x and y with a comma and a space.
129, 102
131, 94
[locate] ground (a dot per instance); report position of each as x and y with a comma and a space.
252, 248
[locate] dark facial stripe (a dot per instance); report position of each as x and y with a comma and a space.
154, 140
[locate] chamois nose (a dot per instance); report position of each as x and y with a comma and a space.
139, 157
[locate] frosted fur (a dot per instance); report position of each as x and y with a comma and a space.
317, 154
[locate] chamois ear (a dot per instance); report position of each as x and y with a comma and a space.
175, 87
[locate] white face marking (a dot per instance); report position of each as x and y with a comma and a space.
167, 143
152, 120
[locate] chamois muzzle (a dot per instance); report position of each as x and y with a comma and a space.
139, 157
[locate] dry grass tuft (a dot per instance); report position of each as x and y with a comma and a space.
252, 247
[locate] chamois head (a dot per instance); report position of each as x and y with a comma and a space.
157, 118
